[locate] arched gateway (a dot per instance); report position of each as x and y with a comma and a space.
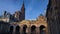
42, 29
33, 29
11, 29
17, 30
24, 29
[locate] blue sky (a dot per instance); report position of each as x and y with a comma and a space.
33, 8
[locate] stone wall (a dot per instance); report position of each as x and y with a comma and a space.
52, 14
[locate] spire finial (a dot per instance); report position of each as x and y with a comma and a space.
23, 8
23, 3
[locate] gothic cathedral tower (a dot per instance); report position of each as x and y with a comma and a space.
52, 14
23, 11
20, 15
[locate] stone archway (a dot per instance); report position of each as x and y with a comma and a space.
24, 29
11, 29
17, 31
33, 29
42, 29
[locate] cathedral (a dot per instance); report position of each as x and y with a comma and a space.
16, 23
16, 17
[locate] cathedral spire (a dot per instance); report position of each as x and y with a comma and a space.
23, 11
23, 8
23, 4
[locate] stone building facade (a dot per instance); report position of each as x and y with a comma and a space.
38, 26
53, 16
34, 27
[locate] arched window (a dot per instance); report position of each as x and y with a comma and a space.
24, 29
33, 29
11, 29
42, 29
17, 31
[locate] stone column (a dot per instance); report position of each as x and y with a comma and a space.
37, 30
29, 30
21, 30
14, 30
46, 30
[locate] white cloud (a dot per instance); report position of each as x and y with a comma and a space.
31, 19
45, 12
